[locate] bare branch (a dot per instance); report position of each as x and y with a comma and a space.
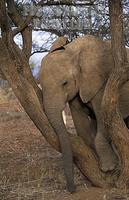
3, 16
19, 21
4, 20
117, 33
74, 30
40, 51
65, 2
54, 31
24, 25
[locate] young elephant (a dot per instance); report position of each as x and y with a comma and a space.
80, 67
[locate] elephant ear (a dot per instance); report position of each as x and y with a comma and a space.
59, 44
94, 64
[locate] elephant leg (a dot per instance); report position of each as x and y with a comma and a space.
84, 125
107, 157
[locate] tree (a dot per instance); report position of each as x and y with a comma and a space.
69, 19
14, 66
112, 119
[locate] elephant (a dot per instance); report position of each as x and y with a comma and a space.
79, 70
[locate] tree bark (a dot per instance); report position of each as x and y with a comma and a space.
111, 120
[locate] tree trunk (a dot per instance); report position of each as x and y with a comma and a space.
111, 120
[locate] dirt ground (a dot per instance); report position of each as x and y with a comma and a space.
30, 169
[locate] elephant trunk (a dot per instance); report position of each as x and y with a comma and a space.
55, 117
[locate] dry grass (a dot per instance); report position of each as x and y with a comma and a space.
27, 161
29, 168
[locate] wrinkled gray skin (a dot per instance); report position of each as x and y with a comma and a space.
81, 67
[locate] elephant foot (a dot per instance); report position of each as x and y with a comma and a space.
71, 188
108, 163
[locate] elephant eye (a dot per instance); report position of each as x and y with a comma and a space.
65, 83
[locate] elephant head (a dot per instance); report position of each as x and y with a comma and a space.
65, 72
